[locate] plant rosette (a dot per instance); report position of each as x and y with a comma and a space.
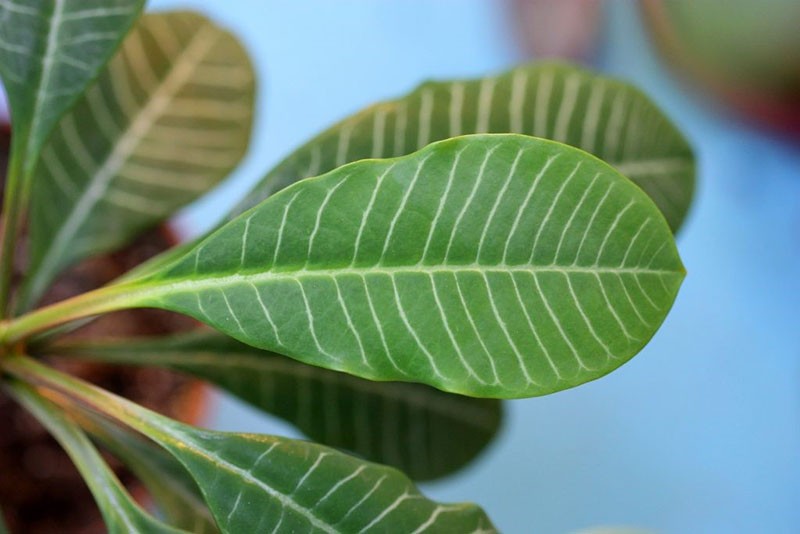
383, 288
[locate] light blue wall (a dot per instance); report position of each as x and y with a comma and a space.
701, 431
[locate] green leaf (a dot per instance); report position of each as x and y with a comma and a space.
491, 266
167, 119
269, 484
423, 432
120, 513
50, 50
172, 488
608, 118
260, 483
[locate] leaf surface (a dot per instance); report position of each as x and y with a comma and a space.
50, 50
121, 514
608, 118
422, 431
167, 119
492, 266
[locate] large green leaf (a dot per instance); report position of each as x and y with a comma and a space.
490, 265
269, 484
167, 119
121, 514
611, 119
422, 431
50, 50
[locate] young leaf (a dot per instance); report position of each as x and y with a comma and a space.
269, 484
120, 513
608, 118
492, 266
423, 432
167, 119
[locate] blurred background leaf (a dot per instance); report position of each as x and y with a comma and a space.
167, 119
608, 118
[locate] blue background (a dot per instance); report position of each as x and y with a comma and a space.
701, 431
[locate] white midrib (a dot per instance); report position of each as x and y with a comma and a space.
157, 288
186, 63
187, 443
47, 61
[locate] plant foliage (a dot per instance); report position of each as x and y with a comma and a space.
380, 288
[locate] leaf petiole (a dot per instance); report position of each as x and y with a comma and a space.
103, 300
66, 391
16, 198
121, 513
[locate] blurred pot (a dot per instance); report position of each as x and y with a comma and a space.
743, 52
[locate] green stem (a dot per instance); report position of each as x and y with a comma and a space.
95, 352
101, 480
15, 201
120, 512
103, 300
70, 391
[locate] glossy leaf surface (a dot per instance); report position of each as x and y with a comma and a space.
493, 266
608, 118
121, 514
50, 50
422, 431
166, 120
